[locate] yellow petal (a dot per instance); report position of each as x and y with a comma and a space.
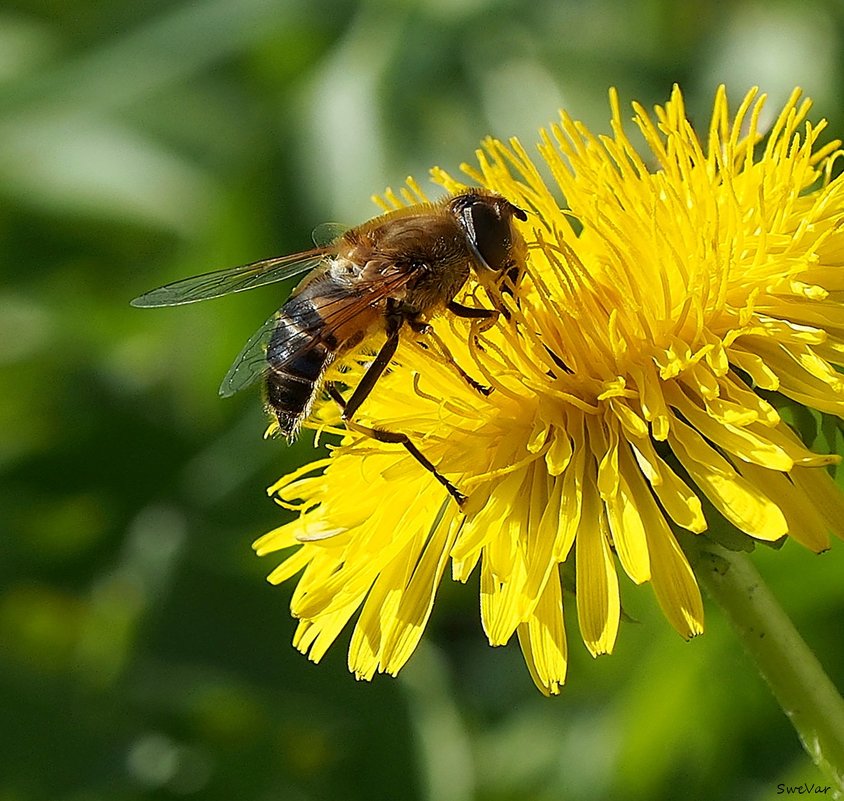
672, 578
543, 639
598, 604
824, 494
805, 523
678, 499
755, 366
741, 441
743, 504
628, 528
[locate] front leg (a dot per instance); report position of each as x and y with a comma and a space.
452, 362
459, 310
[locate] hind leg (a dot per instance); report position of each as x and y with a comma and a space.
362, 391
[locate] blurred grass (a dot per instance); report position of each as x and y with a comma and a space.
143, 655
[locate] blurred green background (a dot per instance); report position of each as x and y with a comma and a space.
142, 654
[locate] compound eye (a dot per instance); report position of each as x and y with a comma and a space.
489, 234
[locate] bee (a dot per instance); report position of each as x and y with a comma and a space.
397, 270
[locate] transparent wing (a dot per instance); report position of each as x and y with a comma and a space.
233, 279
326, 234
251, 363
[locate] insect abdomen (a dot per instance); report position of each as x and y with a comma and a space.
298, 353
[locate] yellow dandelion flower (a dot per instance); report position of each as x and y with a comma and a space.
663, 308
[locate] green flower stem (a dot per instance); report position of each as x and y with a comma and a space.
804, 691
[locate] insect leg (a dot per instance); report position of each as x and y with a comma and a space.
360, 394
372, 374
459, 310
393, 437
450, 360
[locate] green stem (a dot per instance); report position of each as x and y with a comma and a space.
804, 691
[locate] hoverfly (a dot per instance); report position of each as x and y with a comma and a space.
398, 269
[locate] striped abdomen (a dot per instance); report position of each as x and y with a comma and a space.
298, 352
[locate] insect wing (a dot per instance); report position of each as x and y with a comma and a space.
251, 363
326, 234
234, 279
